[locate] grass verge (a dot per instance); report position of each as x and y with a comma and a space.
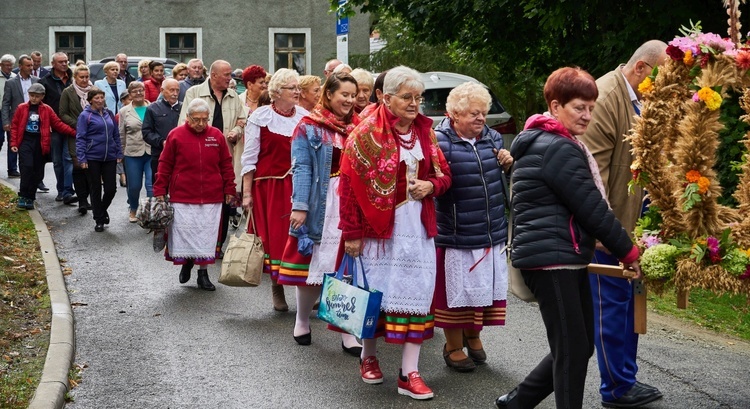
25, 308
725, 314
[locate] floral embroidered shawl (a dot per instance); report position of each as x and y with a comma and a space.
371, 160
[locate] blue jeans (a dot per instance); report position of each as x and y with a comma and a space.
63, 170
136, 167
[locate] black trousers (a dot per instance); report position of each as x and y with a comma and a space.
154, 167
30, 164
81, 186
567, 311
102, 174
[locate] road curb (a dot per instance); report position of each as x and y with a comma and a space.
54, 381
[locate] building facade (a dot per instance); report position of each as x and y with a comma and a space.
298, 34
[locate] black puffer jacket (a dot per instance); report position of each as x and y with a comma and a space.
558, 212
471, 214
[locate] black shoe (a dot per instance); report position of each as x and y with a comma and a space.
82, 210
639, 395
185, 271
504, 401
204, 282
42, 187
99, 228
14, 174
353, 351
70, 199
58, 198
106, 219
464, 365
305, 339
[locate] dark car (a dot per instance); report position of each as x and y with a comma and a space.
97, 71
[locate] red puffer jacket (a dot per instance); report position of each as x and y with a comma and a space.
195, 168
48, 120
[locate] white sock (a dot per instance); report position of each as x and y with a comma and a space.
410, 358
349, 340
369, 347
306, 297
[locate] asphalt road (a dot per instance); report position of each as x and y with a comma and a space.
150, 342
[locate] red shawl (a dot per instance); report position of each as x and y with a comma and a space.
371, 162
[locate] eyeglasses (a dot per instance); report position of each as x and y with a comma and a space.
198, 120
418, 99
293, 89
649, 65
138, 91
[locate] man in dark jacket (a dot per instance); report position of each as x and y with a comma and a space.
196, 76
161, 117
125, 75
54, 83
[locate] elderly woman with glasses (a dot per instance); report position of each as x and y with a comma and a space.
391, 170
266, 170
472, 271
195, 170
137, 152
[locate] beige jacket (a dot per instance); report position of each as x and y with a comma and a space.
130, 125
232, 110
613, 118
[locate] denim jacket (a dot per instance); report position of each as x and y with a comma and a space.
312, 153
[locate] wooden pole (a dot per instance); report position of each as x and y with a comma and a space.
682, 299
639, 290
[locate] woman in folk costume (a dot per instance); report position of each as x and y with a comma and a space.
266, 170
391, 170
316, 152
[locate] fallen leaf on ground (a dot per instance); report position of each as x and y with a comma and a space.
8, 258
78, 304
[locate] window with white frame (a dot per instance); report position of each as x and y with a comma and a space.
75, 41
289, 48
181, 43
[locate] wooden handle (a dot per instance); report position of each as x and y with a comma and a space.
639, 292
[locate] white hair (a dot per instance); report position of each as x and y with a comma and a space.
197, 105
279, 79
363, 77
341, 67
402, 76
8, 58
460, 98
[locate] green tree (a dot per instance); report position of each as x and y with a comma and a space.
522, 41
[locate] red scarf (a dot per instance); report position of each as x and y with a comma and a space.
371, 160
326, 119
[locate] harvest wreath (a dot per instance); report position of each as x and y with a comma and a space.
689, 239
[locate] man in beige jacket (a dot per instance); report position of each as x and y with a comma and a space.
616, 342
227, 113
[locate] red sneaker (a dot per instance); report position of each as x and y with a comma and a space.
370, 370
414, 386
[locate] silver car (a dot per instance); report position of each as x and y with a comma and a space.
437, 87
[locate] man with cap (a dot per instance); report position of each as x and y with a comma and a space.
30, 136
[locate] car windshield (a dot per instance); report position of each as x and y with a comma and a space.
434, 102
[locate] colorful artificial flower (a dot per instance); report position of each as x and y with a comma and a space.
710, 97
648, 240
688, 58
717, 44
675, 53
703, 185
743, 60
692, 176
646, 86
746, 275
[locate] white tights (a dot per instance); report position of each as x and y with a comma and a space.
409, 354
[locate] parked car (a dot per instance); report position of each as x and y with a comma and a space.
437, 87
97, 72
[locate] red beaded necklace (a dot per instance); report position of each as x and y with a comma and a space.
287, 114
408, 144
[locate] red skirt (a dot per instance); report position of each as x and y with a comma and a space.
472, 318
294, 266
272, 207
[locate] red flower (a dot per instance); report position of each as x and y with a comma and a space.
743, 60
675, 53
704, 60
715, 258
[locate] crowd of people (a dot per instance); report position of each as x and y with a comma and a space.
350, 163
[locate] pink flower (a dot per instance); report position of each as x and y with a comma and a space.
712, 244
696, 97
686, 43
746, 274
715, 41
649, 241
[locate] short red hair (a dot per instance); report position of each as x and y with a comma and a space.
252, 73
569, 83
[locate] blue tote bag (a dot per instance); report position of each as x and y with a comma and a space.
349, 307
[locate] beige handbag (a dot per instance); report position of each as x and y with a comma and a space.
242, 265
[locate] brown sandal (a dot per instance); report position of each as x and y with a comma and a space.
464, 365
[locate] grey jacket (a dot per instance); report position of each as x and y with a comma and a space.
13, 96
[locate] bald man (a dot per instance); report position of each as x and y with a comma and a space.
614, 336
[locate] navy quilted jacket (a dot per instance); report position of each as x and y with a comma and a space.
471, 214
